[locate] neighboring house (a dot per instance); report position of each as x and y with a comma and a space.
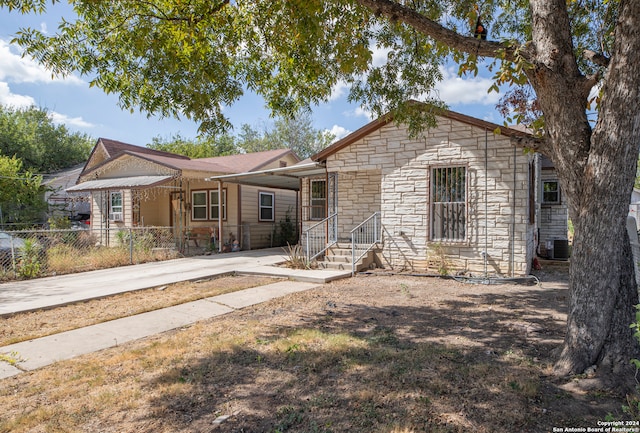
132, 186
553, 214
634, 206
62, 202
459, 198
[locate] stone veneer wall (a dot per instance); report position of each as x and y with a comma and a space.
390, 172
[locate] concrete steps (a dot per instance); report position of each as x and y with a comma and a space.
339, 257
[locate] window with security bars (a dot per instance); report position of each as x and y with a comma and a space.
448, 203
318, 199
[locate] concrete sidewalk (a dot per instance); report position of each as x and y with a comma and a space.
33, 354
21, 296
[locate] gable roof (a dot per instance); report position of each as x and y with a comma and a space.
106, 151
240, 163
388, 118
114, 147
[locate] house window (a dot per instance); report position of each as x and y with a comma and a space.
266, 206
318, 199
550, 192
213, 200
199, 205
448, 203
115, 206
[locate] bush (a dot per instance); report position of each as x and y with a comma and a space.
29, 265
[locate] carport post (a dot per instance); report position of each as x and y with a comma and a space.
130, 246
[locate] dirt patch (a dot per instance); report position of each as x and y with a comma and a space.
393, 354
26, 326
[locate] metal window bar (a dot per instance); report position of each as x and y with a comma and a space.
364, 237
448, 207
320, 237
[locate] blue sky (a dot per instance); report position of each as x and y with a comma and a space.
71, 102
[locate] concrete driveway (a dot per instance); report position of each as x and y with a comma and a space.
20, 296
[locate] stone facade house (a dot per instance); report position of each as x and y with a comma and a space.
132, 186
463, 197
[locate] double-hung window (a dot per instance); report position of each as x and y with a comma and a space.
214, 204
448, 203
115, 206
199, 205
318, 199
550, 192
205, 205
266, 204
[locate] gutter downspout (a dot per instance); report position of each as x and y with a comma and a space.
219, 216
513, 214
486, 197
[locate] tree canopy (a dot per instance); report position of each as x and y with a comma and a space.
201, 147
291, 132
295, 133
558, 57
21, 194
43, 147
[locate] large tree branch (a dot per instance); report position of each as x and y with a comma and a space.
468, 44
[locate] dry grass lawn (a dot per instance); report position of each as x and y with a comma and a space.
394, 354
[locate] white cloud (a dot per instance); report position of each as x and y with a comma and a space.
17, 69
361, 112
12, 100
70, 121
379, 56
338, 91
455, 90
338, 132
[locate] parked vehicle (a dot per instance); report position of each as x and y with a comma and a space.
81, 221
10, 248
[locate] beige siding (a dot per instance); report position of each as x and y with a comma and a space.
552, 218
154, 207
262, 232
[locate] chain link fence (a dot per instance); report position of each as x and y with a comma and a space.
37, 253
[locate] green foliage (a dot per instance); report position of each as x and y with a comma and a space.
139, 240
219, 145
30, 265
193, 58
21, 194
31, 136
286, 231
295, 133
59, 222
12, 358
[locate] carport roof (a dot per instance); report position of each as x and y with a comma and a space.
283, 177
120, 183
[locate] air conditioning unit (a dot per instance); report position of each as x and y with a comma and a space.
115, 216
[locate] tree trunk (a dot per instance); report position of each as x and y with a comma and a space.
602, 292
596, 170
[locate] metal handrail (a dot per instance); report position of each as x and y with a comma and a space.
364, 237
321, 236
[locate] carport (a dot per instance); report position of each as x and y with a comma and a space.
288, 178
